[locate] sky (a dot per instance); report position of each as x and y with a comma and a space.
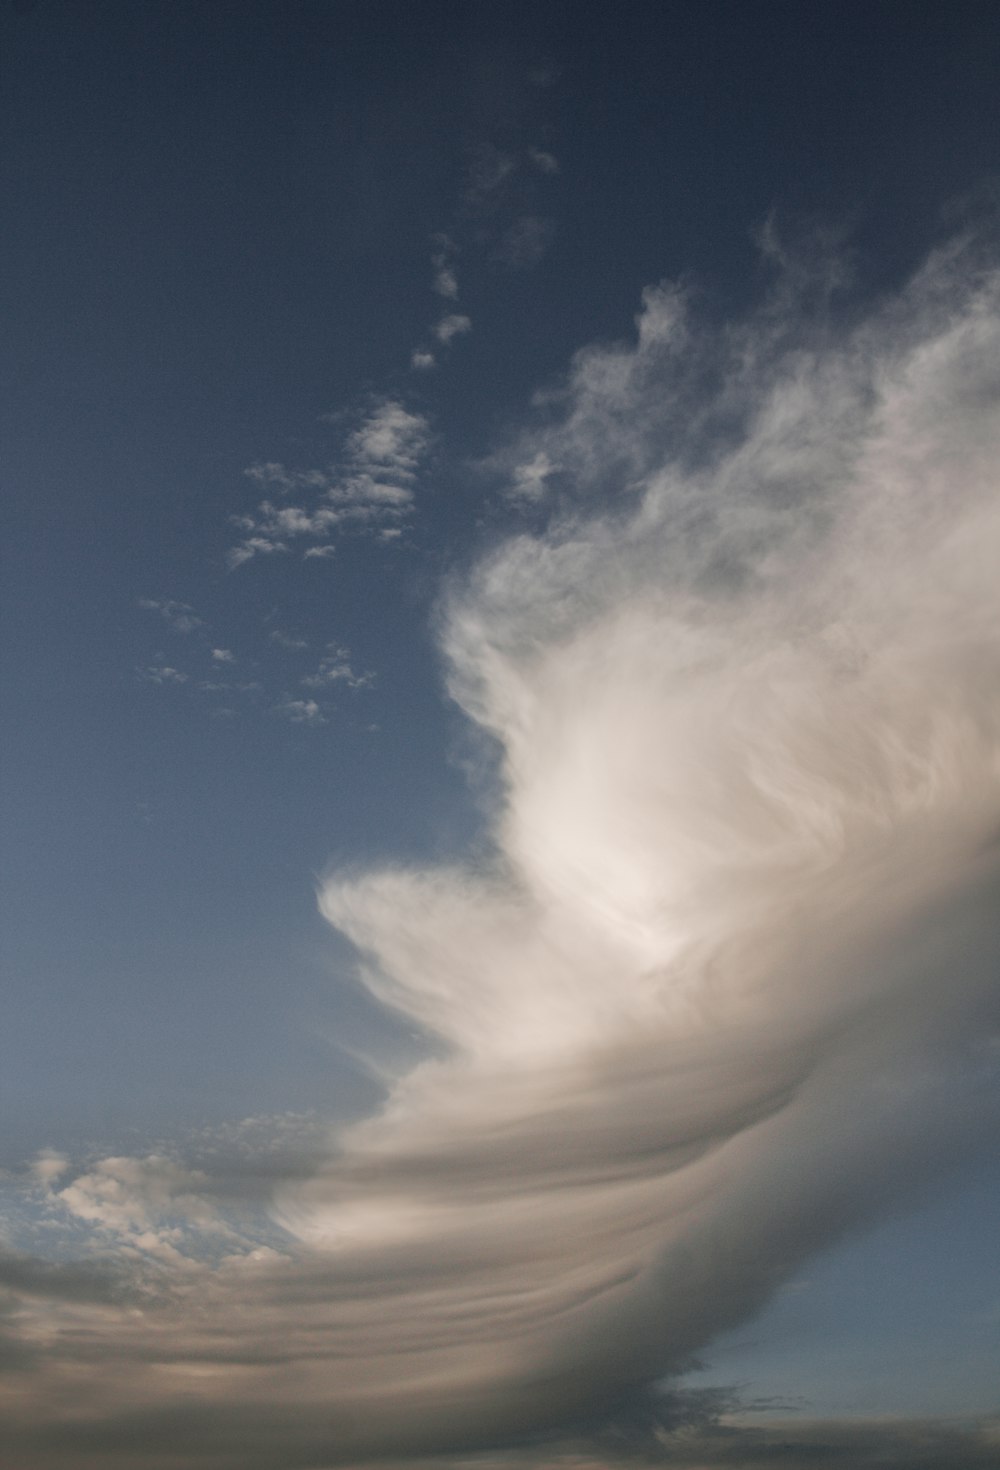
501, 729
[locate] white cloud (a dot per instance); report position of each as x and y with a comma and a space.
222, 656
301, 711
690, 1021
389, 441
257, 545
372, 488
529, 480
48, 1166
131, 1194
244, 686
422, 360
320, 552
335, 668
179, 615
293, 521
276, 476
160, 672
370, 497
287, 640
722, 986
452, 326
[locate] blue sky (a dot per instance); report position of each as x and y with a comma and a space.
524, 476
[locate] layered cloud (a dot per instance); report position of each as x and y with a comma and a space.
719, 985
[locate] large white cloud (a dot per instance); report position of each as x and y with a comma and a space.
721, 985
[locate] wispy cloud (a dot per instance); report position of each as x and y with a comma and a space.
160, 672
126, 1196
48, 1166
529, 479
371, 489
243, 686
301, 711
489, 171
544, 161
497, 220
390, 440
263, 543
443, 262
523, 244
452, 326
274, 476
178, 615
335, 668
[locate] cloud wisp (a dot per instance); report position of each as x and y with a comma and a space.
179, 616
451, 326
443, 263
497, 222
370, 491
724, 987
160, 672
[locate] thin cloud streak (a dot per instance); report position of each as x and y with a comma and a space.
723, 988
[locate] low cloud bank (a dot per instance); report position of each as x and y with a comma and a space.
722, 987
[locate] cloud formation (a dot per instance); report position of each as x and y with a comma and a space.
722, 987
371, 490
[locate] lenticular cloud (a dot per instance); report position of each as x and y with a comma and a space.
721, 985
